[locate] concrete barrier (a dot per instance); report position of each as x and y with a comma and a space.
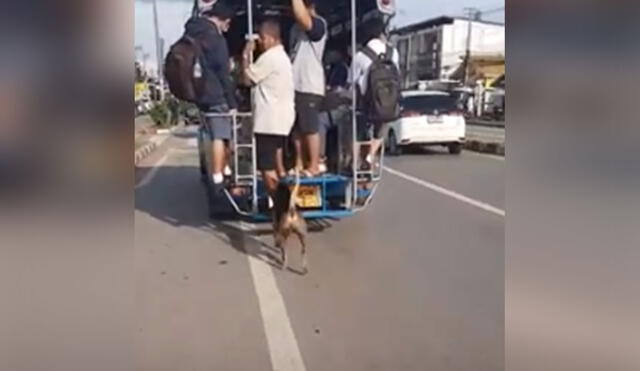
493, 148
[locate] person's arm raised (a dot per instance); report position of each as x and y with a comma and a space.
246, 62
302, 15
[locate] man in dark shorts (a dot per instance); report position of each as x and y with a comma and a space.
274, 112
376, 44
308, 40
219, 93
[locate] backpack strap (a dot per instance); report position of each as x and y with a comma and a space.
389, 53
370, 53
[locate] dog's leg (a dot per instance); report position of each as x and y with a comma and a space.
303, 245
280, 243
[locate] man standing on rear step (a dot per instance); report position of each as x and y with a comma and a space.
308, 39
272, 77
377, 45
218, 95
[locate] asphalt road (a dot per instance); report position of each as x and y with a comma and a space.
416, 282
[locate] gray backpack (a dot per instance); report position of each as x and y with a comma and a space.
382, 99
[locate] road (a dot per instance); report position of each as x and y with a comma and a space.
416, 282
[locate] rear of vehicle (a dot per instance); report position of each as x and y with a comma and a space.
428, 118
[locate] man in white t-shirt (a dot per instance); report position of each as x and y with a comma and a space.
308, 38
274, 111
378, 44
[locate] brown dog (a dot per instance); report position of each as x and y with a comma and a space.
287, 220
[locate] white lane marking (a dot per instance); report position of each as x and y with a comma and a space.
152, 173
283, 346
446, 192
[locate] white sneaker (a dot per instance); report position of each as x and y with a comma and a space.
217, 178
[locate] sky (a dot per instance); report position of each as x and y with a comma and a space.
173, 14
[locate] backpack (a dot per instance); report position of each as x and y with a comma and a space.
183, 69
382, 99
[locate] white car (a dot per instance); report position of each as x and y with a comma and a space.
427, 118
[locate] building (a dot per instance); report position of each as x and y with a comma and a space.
435, 49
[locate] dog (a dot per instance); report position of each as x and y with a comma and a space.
288, 220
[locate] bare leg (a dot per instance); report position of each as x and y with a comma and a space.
228, 153
280, 169
374, 148
218, 156
313, 146
299, 152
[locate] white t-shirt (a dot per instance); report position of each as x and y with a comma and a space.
307, 50
273, 94
362, 63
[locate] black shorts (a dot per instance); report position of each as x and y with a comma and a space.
267, 146
307, 113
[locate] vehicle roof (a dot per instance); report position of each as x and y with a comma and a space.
417, 93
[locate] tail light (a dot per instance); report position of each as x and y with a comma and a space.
410, 114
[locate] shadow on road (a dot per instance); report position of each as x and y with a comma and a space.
177, 197
421, 151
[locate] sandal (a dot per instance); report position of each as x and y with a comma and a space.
309, 174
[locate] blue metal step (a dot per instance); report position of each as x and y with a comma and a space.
318, 180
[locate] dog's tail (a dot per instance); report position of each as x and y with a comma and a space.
294, 192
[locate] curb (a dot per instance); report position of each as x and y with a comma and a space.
485, 147
145, 151
154, 142
486, 124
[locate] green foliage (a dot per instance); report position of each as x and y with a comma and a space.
160, 114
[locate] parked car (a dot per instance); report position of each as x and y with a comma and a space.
427, 118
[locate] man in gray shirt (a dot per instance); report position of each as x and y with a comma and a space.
308, 39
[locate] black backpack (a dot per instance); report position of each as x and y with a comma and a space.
183, 69
382, 99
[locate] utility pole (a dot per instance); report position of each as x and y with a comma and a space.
159, 55
472, 14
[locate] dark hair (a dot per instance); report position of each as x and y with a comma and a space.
220, 10
271, 26
375, 27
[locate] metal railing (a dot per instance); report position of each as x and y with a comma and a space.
239, 179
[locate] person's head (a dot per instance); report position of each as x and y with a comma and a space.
270, 34
311, 5
376, 29
220, 14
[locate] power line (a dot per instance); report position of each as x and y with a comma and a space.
492, 10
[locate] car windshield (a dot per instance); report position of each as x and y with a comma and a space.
430, 104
